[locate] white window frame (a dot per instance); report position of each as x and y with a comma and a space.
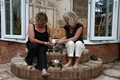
119, 23
114, 21
23, 22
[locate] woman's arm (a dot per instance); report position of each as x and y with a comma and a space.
76, 36
61, 41
50, 39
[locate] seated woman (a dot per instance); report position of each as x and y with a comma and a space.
73, 39
37, 44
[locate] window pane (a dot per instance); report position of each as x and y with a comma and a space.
0, 19
7, 17
103, 17
13, 18
16, 18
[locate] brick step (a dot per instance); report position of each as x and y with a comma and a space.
86, 71
63, 57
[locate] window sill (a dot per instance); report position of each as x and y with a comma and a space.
86, 41
101, 42
14, 40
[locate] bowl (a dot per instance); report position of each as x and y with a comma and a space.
55, 63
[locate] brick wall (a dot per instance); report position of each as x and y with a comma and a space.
80, 7
10, 49
107, 52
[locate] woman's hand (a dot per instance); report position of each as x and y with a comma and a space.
59, 41
49, 44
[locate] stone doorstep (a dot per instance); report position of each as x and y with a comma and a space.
84, 71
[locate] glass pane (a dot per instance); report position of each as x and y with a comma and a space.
7, 17
0, 19
103, 17
13, 23
16, 18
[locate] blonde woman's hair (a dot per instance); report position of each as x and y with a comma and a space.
73, 18
40, 17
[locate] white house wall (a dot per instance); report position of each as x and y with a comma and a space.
54, 9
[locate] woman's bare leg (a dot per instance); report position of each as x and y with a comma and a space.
76, 65
69, 63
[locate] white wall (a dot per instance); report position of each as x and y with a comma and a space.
63, 6
53, 8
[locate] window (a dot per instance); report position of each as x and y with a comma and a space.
104, 19
13, 19
47, 6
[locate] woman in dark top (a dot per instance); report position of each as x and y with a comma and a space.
73, 39
37, 44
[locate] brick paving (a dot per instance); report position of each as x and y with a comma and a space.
111, 72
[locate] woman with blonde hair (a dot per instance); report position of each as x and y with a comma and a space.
73, 39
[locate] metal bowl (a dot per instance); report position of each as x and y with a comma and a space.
55, 63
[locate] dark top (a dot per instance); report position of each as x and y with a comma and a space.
69, 35
41, 36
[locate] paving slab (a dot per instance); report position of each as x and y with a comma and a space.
1, 78
117, 67
4, 67
112, 72
9, 64
109, 65
5, 75
103, 77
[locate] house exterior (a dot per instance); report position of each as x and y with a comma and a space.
101, 19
